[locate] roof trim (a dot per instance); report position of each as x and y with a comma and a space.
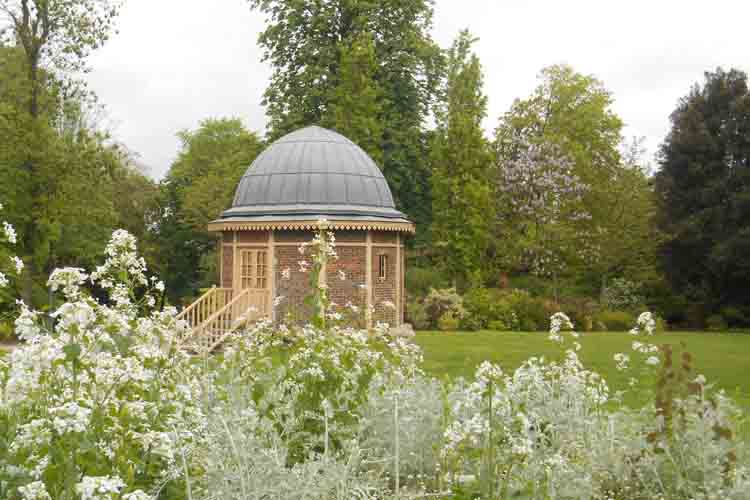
220, 225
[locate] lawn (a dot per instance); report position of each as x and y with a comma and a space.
724, 358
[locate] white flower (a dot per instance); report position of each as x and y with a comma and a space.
278, 300
622, 361
10, 232
286, 274
303, 265
69, 279
700, 379
70, 418
34, 491
159, 286
3, 280
136, 495
18, 263
652, 360
99, 488
342, 275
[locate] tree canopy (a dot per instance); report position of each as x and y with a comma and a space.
703, 188
461, 165
199, 186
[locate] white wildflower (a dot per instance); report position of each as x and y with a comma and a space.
622, 361
69, 279
3, 280
18, 263
10, 232
34, 491
99, 488
286, 274
652, 360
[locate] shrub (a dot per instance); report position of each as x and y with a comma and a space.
479, 304
734, 317
439, 302
580, 310
416, 314
614, 321
716, 323
448, 322
420, 280
533, 313
621, 294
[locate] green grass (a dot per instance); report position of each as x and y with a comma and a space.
724, 358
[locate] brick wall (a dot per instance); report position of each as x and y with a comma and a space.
351, 262
295, 289
384, 290
227, 268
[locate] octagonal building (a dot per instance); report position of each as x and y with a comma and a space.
308, 175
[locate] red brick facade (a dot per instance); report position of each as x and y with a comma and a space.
385, 289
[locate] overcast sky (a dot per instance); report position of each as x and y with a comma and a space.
177, 62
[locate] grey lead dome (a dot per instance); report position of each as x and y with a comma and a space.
313, 172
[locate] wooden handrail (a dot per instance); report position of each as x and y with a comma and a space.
248, 305
197, 312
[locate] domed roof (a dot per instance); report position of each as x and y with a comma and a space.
311, 173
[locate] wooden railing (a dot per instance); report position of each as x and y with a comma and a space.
249, 305
210, 302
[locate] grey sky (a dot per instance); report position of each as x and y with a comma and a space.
176, 62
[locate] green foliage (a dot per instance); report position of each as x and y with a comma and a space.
44, 126
460, 161
621, 293
702, 188
604, 224
416, 314
614, 321
419, 280
198, 187
580, 310
489, 308
448, 322
356, 102
533, 313
716, 323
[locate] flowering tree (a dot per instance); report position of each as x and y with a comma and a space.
541, 215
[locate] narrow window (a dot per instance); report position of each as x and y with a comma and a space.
383, 271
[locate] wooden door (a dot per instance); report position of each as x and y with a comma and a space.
253, 275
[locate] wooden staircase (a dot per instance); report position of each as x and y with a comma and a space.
219, 313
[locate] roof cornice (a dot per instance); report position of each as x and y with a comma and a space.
219, 225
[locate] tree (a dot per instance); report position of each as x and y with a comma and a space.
356, 103
76, 170
306, 44
703, 193
540, 210
54, 38
575, 138
460, 161
198, 187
